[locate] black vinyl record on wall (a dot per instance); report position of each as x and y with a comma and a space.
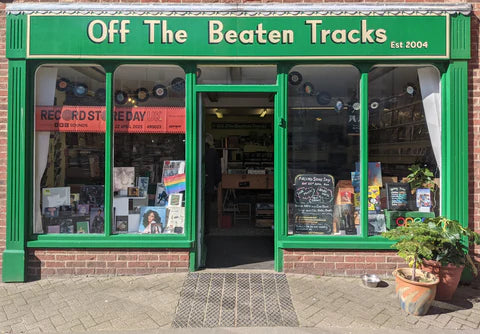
178, 84
160, 91
142, 94
295, 78
62, 84
80, 90
121, 97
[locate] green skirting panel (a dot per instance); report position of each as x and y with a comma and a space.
13, 266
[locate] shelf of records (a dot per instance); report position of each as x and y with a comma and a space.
139, 206
319, 207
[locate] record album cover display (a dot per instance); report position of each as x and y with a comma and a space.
123, 177
152, 219
55, 197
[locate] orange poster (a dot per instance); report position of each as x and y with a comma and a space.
125, 119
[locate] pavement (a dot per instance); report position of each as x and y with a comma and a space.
149, 304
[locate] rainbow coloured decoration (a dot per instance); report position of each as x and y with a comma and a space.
174, 184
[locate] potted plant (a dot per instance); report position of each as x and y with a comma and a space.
451, 256
422, 177
415, 288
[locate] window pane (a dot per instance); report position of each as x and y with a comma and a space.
149, 150
257, 75
404, 136
323, 149
69, 149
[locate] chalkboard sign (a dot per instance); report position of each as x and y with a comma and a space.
398, 196
314, 201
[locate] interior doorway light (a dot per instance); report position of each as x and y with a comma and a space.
264, 112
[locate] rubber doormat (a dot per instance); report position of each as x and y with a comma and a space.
235, 300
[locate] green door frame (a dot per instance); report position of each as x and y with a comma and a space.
278, 109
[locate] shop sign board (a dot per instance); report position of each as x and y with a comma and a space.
225, 37
314, 202
125, 119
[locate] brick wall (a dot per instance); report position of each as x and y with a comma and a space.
60, 262
341, 263
474, 149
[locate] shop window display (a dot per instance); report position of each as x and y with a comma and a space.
404, 109
323, 148
149, 150
69, 149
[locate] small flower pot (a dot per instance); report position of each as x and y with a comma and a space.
415, 297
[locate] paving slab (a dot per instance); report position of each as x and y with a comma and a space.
293, 303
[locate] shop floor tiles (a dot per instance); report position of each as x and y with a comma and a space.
235, 300
240, 252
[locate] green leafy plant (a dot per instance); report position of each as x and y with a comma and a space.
415, 242
420, 177
453, 248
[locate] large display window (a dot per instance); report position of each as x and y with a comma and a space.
323, 150
69, 149
404, 145
149, 150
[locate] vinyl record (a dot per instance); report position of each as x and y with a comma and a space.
373, 105
356, 106
100, 94
121, 97
410, 89
178, 84
62, 84
80, 90
323, 98
159, 91
142, 94
294, 78
338, 106
308, 88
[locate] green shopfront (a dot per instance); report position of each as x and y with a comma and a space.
317, 114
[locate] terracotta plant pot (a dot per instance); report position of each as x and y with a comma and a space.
449, 277
415, 297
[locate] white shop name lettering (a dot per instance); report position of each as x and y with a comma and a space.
158, 31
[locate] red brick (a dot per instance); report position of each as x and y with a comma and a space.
96, 264
76, 264
158, 264
374, 258
343, 265
179, 264
320, 265
292, 258
334, 258
314, 258
355, 258
116, 264
84, 271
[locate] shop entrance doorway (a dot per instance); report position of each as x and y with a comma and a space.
237, 143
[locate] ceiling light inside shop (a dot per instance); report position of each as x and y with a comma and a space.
264, 112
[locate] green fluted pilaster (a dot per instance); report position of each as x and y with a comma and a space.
13, 268
16, 46
455, 143
460, 37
